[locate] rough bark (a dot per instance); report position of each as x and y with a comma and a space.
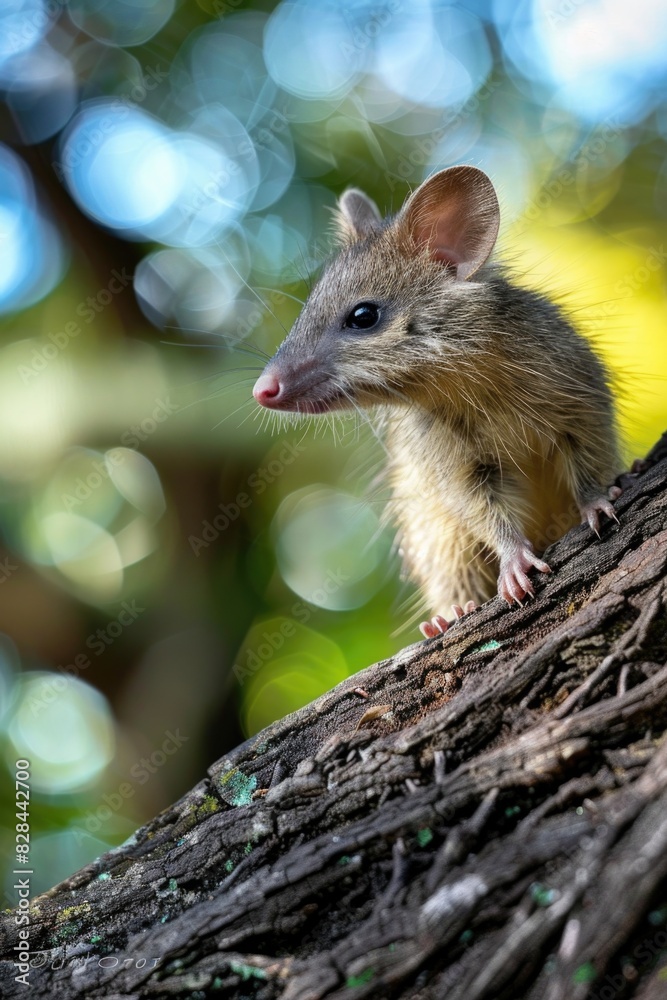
482, 816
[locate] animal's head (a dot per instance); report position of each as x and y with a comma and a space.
396, 296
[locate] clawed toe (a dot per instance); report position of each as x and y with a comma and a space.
590, 512
540, 564
438, 624
513, 583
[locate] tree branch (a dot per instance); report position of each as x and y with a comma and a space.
483, 815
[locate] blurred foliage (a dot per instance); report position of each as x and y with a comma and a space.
173, 577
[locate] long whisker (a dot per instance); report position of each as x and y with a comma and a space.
177, 343
247, 348
252, 290
287, 295
228, 416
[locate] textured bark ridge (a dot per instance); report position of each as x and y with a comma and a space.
482, 816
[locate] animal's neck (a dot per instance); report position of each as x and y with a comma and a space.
420, 424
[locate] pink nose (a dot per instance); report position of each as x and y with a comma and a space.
267, 390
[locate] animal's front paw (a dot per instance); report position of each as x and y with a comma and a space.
590, 512
513, 582
438, 624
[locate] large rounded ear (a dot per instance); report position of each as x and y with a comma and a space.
455, 215
357, 215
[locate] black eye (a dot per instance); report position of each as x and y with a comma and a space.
363, 317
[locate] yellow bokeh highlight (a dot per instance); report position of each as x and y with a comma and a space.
283, 665
614, 292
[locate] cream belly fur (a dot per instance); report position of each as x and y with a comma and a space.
447, 529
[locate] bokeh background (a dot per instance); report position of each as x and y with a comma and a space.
175, 574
